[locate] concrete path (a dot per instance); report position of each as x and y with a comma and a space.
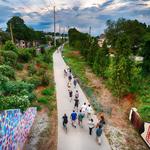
76, 138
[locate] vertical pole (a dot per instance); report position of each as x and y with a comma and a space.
59, 33
90, 30
54, 28
11, 32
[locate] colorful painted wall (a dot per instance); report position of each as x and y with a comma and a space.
15, 127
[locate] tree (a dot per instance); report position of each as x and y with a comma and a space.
121, 76
20, 30
146, 55
4, 36
130, 28
101, 60
9, 46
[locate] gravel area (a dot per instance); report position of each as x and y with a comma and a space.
40, 124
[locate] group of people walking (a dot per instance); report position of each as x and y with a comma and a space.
80, 113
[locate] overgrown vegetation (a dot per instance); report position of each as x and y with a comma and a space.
122, 74
20, 91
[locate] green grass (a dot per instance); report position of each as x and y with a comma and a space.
76, 63
48, 91
144, 99
43, 100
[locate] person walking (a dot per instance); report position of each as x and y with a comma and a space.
76, 94
70, 94
84, 108
69, 85
102, 122
65, 73
91, 126
65, 121
80, 118
69, 77
73, 118
75, 82
76, 104
98, 133
89, 111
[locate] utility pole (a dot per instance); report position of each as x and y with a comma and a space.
90, 30
54, 28
11, 32
59, 33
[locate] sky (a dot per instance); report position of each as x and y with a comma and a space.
81, 14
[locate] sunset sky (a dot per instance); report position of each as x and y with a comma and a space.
38, 14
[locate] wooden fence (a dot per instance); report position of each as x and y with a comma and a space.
142, 127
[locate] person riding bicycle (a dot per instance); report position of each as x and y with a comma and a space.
65, 120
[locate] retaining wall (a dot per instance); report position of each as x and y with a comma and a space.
15, 127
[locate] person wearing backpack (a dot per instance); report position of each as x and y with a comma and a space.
98, 133
80, 118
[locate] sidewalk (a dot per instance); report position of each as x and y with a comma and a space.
76, 138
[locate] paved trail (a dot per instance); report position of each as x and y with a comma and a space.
76, 138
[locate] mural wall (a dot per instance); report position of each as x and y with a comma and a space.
15, 127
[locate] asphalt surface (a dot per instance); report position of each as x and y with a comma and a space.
76, 138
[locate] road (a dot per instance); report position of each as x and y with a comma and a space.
76, 138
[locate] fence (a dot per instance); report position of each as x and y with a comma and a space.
15, 127
142, 127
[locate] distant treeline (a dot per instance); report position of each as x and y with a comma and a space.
124, 38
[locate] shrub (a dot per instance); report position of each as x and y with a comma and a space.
3, 81
32, 96
1, 59
41, 71
32, 51
43, 100
38, 107
9, 46
14, 102
45, 79
35, 80
7, 71
15, 87
145, 112
19, 66
24, 55
10, 57
48, 91
31, 69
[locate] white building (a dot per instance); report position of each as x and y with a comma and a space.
101, 40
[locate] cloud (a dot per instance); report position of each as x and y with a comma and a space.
74, 13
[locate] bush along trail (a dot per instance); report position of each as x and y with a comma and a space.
118, 129
26, 80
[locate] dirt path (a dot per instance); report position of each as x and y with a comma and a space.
119, 130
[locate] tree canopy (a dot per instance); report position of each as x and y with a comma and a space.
22, 32
135, 30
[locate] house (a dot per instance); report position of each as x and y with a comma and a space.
101, 40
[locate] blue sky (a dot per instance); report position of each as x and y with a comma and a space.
74, 13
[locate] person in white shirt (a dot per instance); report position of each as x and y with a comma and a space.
89, 111
84, 108
91, 126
